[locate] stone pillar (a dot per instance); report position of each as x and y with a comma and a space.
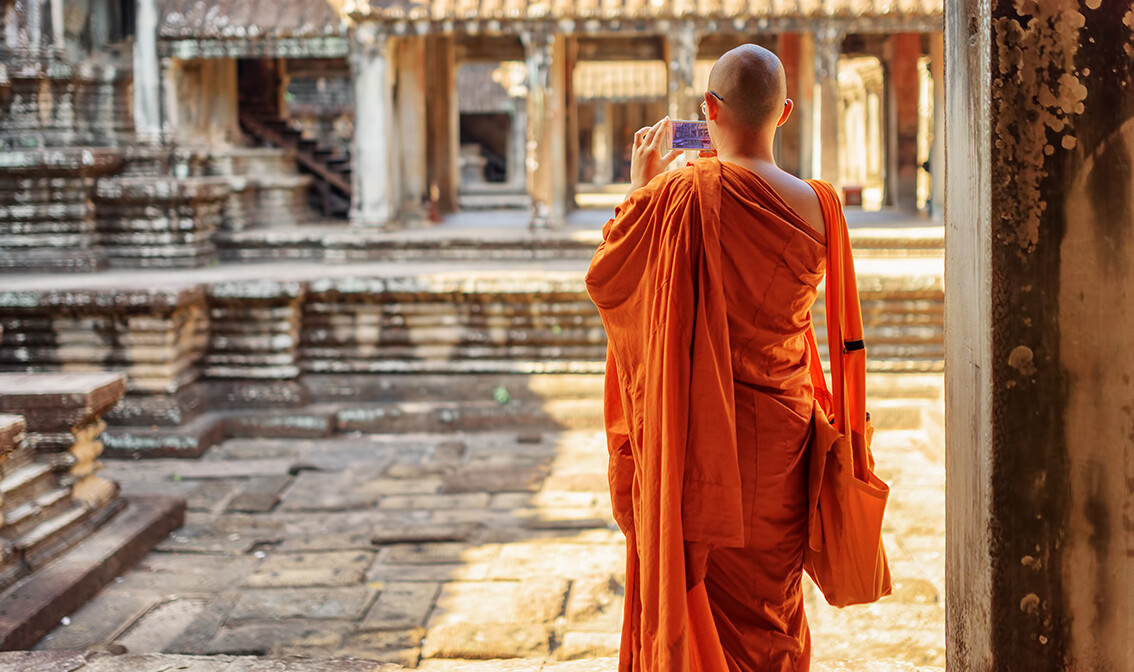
902, 93
681, 60
169, 75
443, 122
58, 34
547, 134
34, 26
372, 199
601, 148
518, 147
789, 135
828, 46
937, 149
411, 101
1040, 375
565, 83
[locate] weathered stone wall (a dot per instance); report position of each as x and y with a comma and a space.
1040, 376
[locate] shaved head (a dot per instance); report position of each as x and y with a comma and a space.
752, 83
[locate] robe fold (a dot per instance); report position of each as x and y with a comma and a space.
705, 280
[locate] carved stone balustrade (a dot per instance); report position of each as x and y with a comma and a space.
47, 217
52, 103
160, 222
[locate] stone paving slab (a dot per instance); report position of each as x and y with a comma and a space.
401, 571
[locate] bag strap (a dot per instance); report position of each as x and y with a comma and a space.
845, 344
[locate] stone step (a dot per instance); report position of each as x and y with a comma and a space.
26, 518
53, 533
425, 386
23, 485
495, 409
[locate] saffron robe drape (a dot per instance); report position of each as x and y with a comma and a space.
704, 280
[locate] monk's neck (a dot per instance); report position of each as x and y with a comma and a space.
750, 160
748, 151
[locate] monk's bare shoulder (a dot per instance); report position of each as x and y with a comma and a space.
800, 196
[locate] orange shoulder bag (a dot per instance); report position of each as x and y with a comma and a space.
844, 555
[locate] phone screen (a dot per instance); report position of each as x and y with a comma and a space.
689, 135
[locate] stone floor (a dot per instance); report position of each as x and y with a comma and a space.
432, 550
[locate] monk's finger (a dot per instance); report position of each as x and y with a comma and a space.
653, 132
672, 156
640, 136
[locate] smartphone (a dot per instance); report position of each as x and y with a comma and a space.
689, 135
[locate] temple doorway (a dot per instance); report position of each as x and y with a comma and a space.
493, 124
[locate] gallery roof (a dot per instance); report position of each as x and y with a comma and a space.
726, 10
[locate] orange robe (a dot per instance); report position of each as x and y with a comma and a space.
705, 280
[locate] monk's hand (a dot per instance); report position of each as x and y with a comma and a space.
647, 161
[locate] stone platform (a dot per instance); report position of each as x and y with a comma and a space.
303, 349
435, 550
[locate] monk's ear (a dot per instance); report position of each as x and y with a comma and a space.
788, 107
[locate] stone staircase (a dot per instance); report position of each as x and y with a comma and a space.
330, 168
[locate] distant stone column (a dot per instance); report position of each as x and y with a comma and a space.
547, 151
169, 117
443, 121
828, 46
903, 93
58, 34
147, 74
601, 144
373, 203
518, 147
790, 135
411, 106
1040, 371
937, 149
681, 61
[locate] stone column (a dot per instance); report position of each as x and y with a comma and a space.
937, 149
58, 34
1040, 374
518, 147
902, 93
546, 162
828, 46
411, 101
601, 145
790, 134
681, 60
34, 26
443, 122
169, 119
373, 203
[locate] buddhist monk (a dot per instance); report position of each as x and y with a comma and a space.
705, 279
